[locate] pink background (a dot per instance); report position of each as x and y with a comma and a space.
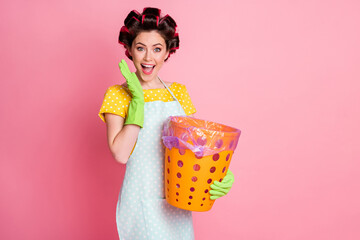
284, 72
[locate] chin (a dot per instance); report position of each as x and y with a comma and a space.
147, 77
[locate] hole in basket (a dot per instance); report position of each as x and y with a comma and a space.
212, 169
219, 143
201, 204
227, 157
203, 199
168, 158
194, 179
189, 203
190, 197
168, 181
201, 141
220, 179
178, 175
192, 189
231, 144
216, 157
209, 180
206, 190
177, 185
177, 200
198, 155
196, 167
177, 194
181, 151
224, 169
180, 163
168, 170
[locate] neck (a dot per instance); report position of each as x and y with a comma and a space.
151, 84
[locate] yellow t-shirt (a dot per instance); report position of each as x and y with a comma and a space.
117, 98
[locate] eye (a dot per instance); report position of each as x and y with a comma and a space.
157, 49
139, 48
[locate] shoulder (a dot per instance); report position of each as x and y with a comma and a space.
183, 96
116, 101
118, 87
118, 90
179, 89
177, 86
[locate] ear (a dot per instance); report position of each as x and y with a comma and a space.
167, 55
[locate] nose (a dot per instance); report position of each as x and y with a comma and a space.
148, 55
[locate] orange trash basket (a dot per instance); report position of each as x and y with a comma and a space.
197, 153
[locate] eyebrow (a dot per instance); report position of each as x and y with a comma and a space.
145, 45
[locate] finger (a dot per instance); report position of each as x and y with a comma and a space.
124, 68
133, 82
224, 182
215, 187
124, 65
227, 186
135, 78
220, 190
214, 197
125, 71
228, 179
216, 193
230, 174
223, 185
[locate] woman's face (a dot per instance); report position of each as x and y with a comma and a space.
148, 53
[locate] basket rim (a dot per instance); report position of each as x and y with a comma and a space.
231, 130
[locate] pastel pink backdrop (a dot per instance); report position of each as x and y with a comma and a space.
285, 72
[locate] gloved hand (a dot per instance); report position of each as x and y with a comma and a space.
220, 189
136, 106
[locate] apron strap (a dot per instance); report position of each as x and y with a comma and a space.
168, 89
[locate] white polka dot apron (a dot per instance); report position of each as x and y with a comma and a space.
142, 210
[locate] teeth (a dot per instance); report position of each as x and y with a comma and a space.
144, 65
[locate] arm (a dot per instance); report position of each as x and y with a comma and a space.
121, 138
122, 134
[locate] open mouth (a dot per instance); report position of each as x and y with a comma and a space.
147, 68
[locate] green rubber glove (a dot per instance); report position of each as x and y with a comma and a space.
220, 189
136, 106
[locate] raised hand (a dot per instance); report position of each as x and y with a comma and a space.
136, 106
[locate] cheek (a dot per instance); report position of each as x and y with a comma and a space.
161, 57
136, 60
136, 56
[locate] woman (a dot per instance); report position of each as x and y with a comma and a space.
134, 113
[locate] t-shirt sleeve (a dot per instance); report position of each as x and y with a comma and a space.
116, 101
183, 96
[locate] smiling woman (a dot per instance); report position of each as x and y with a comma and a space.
134, 113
